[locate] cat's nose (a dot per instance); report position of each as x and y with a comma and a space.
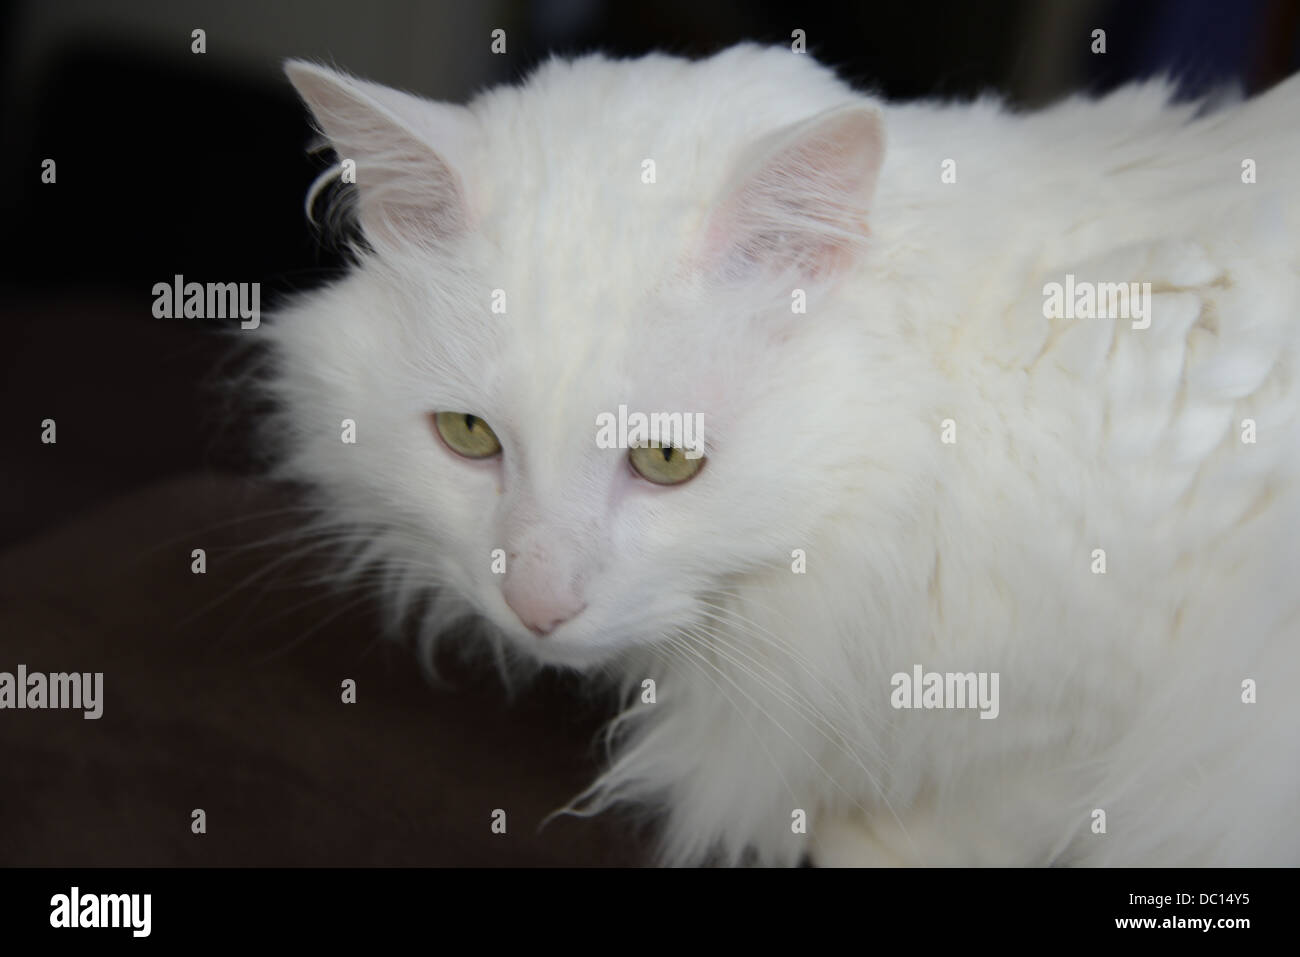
542, 611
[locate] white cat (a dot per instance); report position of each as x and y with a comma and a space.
911, 465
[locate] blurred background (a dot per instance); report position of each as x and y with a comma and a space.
171, 162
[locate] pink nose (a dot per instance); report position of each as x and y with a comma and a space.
541, 611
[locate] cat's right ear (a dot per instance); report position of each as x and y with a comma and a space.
405, 150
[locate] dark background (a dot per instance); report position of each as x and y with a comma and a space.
170, 162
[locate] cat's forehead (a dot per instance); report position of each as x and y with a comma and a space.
587, 356
565, 361
613, 162
584, 254
587, 209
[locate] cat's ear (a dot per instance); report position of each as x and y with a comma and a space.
405, 149
798, 202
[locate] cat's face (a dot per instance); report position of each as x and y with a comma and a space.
499, 344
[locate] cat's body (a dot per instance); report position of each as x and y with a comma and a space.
843, 530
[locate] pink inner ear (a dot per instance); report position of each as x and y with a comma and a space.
408, 193
800, 204
413, 196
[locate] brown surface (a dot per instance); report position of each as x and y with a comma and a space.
226, 697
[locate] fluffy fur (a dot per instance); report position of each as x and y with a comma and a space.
1119, 691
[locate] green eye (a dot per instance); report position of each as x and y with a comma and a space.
466, 434
664, 466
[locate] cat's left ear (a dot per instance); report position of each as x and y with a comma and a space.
408, 154
799, 201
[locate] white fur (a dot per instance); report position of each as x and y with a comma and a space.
1119, 692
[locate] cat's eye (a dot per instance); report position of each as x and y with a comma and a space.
466, 434
664, 466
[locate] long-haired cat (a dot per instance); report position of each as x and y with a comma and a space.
988, 554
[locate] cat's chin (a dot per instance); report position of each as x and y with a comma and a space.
574, 657
568, 652
566, 655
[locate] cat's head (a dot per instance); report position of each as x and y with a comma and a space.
610, 240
